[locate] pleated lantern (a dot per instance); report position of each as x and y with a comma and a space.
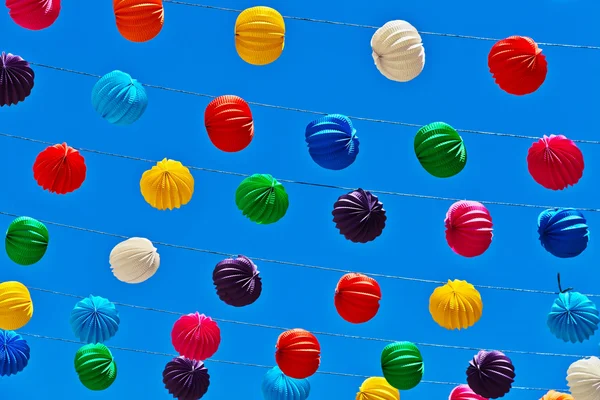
277, 386
464, 392
377, 388
357, 298
332, 141
455, 305
16, 307
563, 232
440, 150
237, 281
583, 377
469, 228
555, 162
59, 169
359, 216
298, 353
119, 99
134, 260
490, 374
262, 199
14, 353
518, 65
186, 379
259, 35
139, 20
398, 51
33, 14
196, 336
94, 319
26, 240
229, 124
95, 366
554, 395
167, 185
402, 365
16, 79
573, 317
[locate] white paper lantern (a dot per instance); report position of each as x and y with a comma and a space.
134, 260
583, 377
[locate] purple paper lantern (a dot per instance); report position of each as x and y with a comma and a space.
237, 281
186, 379
16, 79
490, 374
359, 215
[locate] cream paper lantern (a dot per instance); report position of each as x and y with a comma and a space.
134, 260
583, 377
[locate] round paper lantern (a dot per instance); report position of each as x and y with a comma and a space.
468, 228
583, 377
259, 35
134, 260
440, 150
14, 353
33, 14
229, 124
94, 319
119, 99
490, 374
357, 298
298, 353
277, 386
16, 307
262, 199
455, 305
237, 281
196, 336
554, 395
517, 65
563, 232
573, 317
186, 379
16, 79
26, 240
332, 141
59, 169
398, 51
139, 20
359, 216
402, 365
377, 388
167, 185
95, 366
464, 392
555, 162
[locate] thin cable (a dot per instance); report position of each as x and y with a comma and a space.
300, 110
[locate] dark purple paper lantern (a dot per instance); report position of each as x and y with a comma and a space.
490, 374
359, 215
237, 281
186, 379
16, 79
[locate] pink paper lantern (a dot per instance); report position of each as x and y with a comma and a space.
196, 336
468, 228
464, 392
555, 162
33, 14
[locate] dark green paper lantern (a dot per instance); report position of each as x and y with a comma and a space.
440, 150
402, 365
26, 240
95, 366
262, 199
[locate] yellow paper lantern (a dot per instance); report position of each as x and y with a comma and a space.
456, 305
259, 35
16, 307
167, 185
554, 395
377, 388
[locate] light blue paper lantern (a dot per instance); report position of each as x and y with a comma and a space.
94, 320
119, 99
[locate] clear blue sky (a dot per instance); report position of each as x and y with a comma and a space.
325, 68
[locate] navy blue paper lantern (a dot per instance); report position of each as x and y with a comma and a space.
332, 141
14, 353
563, 232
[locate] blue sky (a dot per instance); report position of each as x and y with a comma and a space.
324, 68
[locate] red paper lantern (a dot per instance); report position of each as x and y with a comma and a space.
469, 228
59, 169
555, 162
33, 14
357, 298
298, 353
228, 121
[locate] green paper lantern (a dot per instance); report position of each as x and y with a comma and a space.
262, 199
26, 240
402, 365
95, 366
440, 150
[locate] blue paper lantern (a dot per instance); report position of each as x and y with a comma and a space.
277, 386
332, 141
119, 98
573, 317
563, 232
14, 353
94, 319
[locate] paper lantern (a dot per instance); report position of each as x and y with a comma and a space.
563, 232
573, 317
167, 185
455, 305
259, 35
26, 240
16, 307
196, 336
94, 319
555, 162
229, 124
464, 392
186, 379
262, 199
298, 353
332, 141
359, 216
490, 374
33, 14
583, 377
59, 169
139, 20
402, 365
134, 260
469, 228
277, 386
554, 395
119, 99
357, 298
237, 281
14, 353
377, 388
16, 79
440, 150
518, 65
95, 366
